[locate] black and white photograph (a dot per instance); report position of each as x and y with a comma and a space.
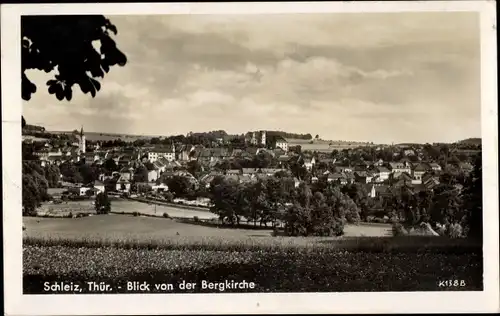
185, 152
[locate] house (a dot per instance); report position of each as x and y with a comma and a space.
466, 167
162, 187
409, 152
344, 169
271, 171
435, 167
278, 152
79, 190
334, 177
309, 163
283, 160
378, 163
233, 171
382, 173
379, 191
296, 182
123, 185
419, 171
400, 167
153, 175
160, 166
360, 168
281, 143
158, 152
430, 181
249, 171
126, 173
363, 177
99, 187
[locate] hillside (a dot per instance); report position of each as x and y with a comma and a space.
94, 136
470, 141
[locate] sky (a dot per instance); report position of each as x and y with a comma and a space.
380, 77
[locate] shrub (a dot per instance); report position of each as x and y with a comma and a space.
398, 230
70, 215
102, 203
196, 219
136, 213
166, 215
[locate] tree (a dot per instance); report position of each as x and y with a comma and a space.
52, 174
473, 200
102, 203
141, 174
194, 168
110, 165
66, 43
180, 186
225, 198
34, 187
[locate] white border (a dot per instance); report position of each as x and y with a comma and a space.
18, 304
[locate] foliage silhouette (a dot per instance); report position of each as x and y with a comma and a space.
65, 44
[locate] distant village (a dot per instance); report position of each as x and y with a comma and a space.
117, 165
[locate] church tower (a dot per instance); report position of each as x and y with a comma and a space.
82, 141
263, 138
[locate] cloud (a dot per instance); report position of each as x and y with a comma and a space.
378, 77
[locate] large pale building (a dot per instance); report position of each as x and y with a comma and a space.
259, 138
81, 141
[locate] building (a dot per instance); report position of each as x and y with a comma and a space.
419, 171
99, 187
259, 137
435, 167
153, 175
158, 152
162, 187
309, 163
400, 167
123, 185
382, 173
126, 173
81, 141
282, 143
363, 177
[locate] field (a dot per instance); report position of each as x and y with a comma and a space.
122, 206
121, 226
273, 264
322, 145
93, 136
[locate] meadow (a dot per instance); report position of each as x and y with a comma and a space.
121, 207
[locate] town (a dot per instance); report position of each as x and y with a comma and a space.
182, 169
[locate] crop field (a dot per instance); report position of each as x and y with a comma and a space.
64, 208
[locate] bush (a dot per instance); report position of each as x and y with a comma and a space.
136, 213
70, 215
398, 230
196, 219
102, 203
166, 215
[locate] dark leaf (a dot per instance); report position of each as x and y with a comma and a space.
53, 88
69, 93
